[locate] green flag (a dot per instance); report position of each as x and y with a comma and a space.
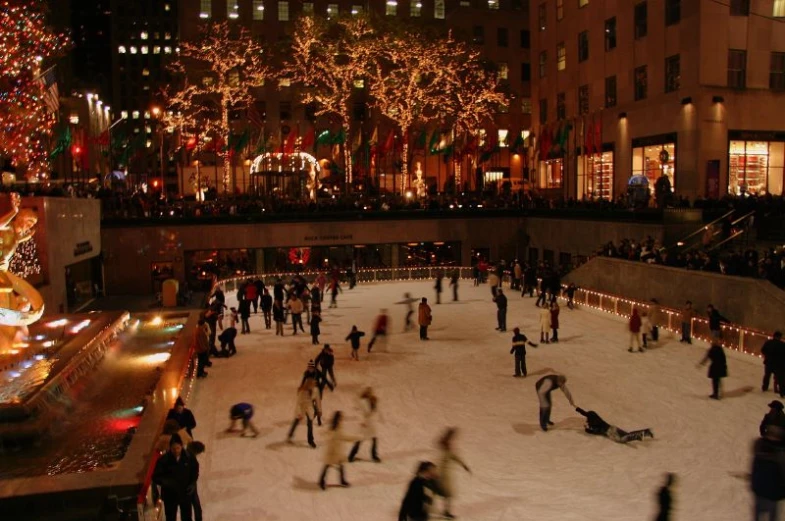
238, 143
62, 144
324, 138
420, 142
340, 137
517, 146
433, 145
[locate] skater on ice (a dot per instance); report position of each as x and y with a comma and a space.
308, 406
775, 416
665, 498
417, 503
456, 275
554, 309
335, 452
767, 478
408, 301
267, 308
501, 310
278, 317
438, 286
448, 459
718, 368
242, 412
519, 342
597, 426
545, 323
545, 386
315, 329
634, 327
380, 330
424, 318
369, 407
773, 352
325, 361
354, 338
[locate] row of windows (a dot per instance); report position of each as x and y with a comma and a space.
146, 49
502, 37
737, 71
284, 15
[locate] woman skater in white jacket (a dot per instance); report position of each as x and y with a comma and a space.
545, 324
369, 407
447, 461
334, 452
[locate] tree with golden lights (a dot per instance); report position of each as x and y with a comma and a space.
26, 120
219, 72
327, 58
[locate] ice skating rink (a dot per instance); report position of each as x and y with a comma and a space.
463, 377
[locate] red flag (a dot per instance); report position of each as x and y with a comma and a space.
598, 134
255, 117
191, 143
588, 137
545, 146
291, 139
308, 139
388, 143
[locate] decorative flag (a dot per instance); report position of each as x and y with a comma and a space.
291, 141
48, 82
598, 134
374, 141
389, 143
588, 138
340, 137
434, 143
517, 146
325, 138
241, 141
191, 143
63, 142
308, 139
421, 138
255, 117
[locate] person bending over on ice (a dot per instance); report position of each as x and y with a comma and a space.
307, 398
354, 337
448, 459
369, 408
519, 342
545, 386
419, 496
334, 453
243, 412
598, 426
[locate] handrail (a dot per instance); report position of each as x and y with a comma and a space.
736, 234
703, 228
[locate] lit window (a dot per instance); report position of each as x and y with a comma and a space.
559, 9
167, 50
493, 4
149, 144
438, 9
258, 9
415, 9
332, 10
146, 114
121, 49
148, 129
504, 71
136, 114
167, 36
167, 7
526, 105
561, 57
145, 49
779, 9
206, 9
207, 81
503, 133
124, 114
583, 3
359, 83
308, 7
357, 10
283, 11
133, 49
391, 8
284, 82
145, 72
73, 119
144, 35
232, 10
157, 49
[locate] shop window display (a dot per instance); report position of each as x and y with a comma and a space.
654, 161
755, 167
595, 176
551, 173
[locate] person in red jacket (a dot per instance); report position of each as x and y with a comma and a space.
252, 296
380, 330
635, 331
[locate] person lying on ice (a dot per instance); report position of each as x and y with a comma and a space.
598, 426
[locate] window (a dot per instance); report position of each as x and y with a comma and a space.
541, 17
332, 10
284, 82
357, 10
641, 20
438, 9
737, 68
144, 35
755, 167
777, 71
156, 49
672, 73
145, 72
526, 71
543, 63
583, 46
133, 49
145, 49
308, 8
391, 8
739, 7
583, 3
672, 12
526, 105
779, 9
641, 83
543, 111
559, 9
258, 9
504, 71
610, 91
583, 100
415, 9
124, 114
561, 106
135, 114
232, 10
121, 49
561, 56
526, 40
205, 9
610, 33
283, 11
493, 4
502, 38
359, 83
478, 32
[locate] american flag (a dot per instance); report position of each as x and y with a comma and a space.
48, 81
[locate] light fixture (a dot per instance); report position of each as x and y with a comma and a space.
622, 115
686, 101
717, 99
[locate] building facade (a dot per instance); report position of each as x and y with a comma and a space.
631, 91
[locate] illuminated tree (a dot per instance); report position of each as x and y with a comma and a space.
27, 105
327, 58
219, 70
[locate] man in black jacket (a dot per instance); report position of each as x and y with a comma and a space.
176, 473
183, 416
715, 322
596, 425
773, 352
519, 342
768, 473
775, 416
501, 310
324, 362
267, 308
419, 495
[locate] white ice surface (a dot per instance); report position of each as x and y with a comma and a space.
463, 377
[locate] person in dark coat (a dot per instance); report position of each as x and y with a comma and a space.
599, 427
555, 320
278, 317
501, 310
226, 338
715, 322
545, 386
279, 290
315, 329
775, 416
519, 342
438, 286
718, 368
419, 495
454, 283
324, 362
665, 498
245, 314
244, 412
768, 474
354, 338
529, 281
195, 448
267, 308
259, 289
773, 352
570, 291
184, 416
176, 473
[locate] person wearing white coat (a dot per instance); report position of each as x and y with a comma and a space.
308, 406
447, 460
545, 324
369, 408
334, 452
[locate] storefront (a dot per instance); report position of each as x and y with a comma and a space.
595, 174
551, 173
655, 156
755, 162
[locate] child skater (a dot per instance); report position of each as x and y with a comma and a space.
354, 337
315, 329
448, 459
519, 342
369, 408
334, 453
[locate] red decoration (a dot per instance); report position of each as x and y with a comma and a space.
299, 255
